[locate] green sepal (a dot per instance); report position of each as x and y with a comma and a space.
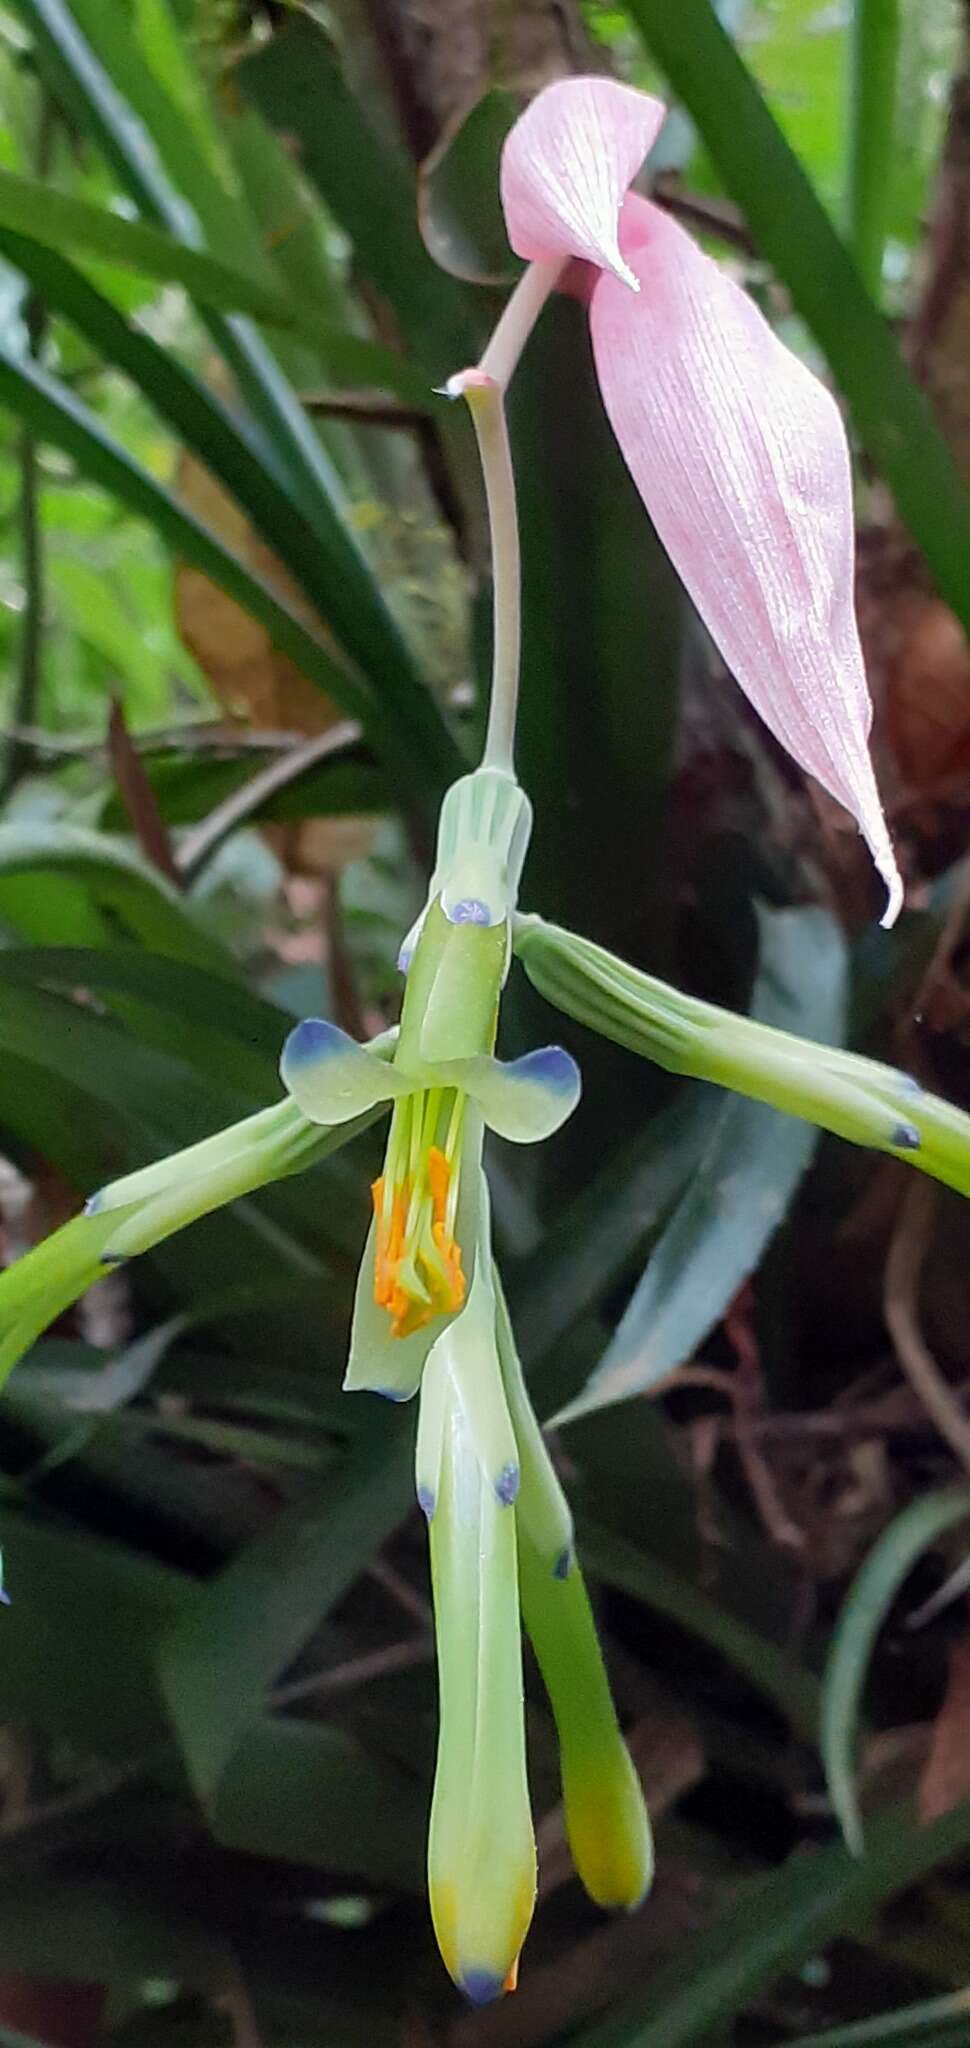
843, 1092
542, 1508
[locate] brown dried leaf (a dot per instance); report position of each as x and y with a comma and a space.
252, 680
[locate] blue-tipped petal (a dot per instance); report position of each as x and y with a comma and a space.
525, 1099
481, 1986
507, 1485
468, 910
331, 1077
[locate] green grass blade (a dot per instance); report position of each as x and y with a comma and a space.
933, 2023
56, 415
793, 231
775, 1923
102, 75
862, 1616
874, 56
620, 1563
74, 226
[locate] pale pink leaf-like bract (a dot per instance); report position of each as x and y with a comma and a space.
566, 166
740, 457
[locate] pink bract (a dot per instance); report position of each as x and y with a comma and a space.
737, 450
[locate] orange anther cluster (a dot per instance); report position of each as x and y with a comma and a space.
417, 1265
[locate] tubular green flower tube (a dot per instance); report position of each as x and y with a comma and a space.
856, 1098
606, 1817
481, 1849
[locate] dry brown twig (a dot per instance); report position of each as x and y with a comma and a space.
904, 1268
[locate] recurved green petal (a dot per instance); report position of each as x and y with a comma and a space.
525, 1099
331, 1077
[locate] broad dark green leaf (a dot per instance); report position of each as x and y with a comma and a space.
313, 1794
241, 1630
459, 209
778, 1677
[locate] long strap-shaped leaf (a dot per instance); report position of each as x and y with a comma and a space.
104, 80
229, 446
792, 229
62, 221
56, 415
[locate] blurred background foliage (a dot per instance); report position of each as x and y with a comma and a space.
243, 634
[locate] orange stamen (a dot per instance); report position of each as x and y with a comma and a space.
413, 1226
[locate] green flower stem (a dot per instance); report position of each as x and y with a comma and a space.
486, 404
856, 1098
519, 316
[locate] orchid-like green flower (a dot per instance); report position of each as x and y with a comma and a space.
445, 1086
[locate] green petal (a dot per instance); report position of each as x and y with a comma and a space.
481, 1851
606, 1816
525, 1099
331, 1077
466, 1353
542, 1508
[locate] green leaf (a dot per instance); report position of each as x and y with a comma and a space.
351, 359
72, 226
459, 207
742, 1185
776, 1676
773, 1925
119, 1604
190, 786
244, 1627
875, 58
101, 73
56, 415
296, 82
601, 625
312, 1794
934, 2023
794, 233
135, 900
865, 1609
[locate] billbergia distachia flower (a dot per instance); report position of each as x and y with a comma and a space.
741, 460
737, 450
